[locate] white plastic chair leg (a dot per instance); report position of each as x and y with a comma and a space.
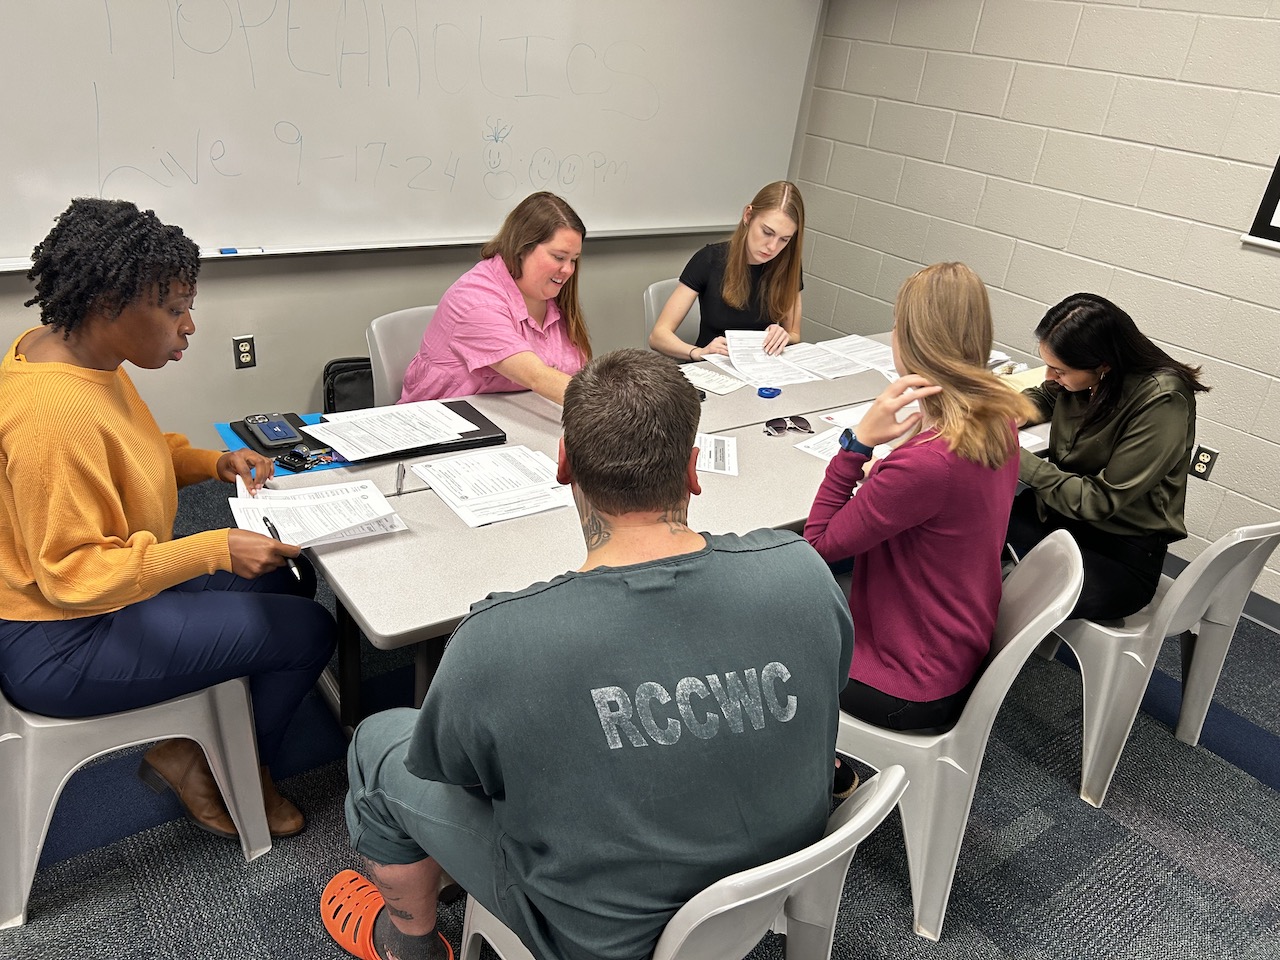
233, 760
933, 826
1203, 656
811, 913
1115, 673
479, 924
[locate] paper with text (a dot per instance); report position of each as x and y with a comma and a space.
717, 454
498, 484
746, 353
827, 364
870, 353
383, 431
309, 516
712, 381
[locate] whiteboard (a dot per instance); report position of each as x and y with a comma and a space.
297, 125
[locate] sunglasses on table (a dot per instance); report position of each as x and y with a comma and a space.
780, 425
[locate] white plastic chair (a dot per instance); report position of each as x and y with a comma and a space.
943, 767
394, 339
39, 754
1202, 605
655, 298
798, 895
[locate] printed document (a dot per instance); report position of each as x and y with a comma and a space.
717, 454
712, 381
746, 353
383, 431
310, 516
486, 486
870, 353
827, 364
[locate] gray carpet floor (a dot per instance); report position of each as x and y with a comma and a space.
1182, 862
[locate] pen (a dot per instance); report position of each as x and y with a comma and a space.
229, 250
399, 479
271, 529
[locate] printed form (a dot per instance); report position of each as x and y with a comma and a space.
746, 353
310, 516
487, 486
717, 454
383, 431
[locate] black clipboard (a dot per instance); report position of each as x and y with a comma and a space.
487, 434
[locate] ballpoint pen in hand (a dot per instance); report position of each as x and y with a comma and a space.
271, 529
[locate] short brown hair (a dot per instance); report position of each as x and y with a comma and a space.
535, 220
630, 418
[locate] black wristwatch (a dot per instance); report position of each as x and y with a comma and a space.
850, 444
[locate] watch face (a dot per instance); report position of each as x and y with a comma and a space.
847, 439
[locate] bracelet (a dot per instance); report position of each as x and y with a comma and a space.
691, 349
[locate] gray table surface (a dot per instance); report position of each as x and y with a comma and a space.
406, 587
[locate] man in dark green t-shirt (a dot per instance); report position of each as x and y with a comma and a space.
597, 749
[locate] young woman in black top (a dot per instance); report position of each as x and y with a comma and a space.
752, 281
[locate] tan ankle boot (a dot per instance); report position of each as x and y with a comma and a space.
283, 818
181, 766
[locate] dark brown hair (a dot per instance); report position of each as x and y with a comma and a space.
630, 418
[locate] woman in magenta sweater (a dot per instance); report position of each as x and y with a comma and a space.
927, 525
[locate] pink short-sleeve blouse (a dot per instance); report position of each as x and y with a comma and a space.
481, 320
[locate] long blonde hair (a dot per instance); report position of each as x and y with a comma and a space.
535, 220
780, 282
942, 320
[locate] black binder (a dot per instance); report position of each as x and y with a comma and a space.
487, 434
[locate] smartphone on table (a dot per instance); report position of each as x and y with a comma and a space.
272, 430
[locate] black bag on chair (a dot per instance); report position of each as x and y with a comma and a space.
348, 384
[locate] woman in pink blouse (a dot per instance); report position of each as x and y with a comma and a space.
513, 321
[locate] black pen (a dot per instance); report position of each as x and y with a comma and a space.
271, 529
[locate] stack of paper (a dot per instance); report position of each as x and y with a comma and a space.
712, 381
309, 516
496, 484
868, 352
384, 431
801, 362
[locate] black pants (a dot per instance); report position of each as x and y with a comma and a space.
1120, 573
877, 707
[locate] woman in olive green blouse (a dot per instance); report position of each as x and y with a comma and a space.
1123, 422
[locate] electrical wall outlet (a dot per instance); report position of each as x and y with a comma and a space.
246, 353
1202, 461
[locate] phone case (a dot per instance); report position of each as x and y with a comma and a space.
272, 430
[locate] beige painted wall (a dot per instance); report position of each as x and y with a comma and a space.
1061, 146
304, 310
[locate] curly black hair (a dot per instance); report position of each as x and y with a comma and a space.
104, 255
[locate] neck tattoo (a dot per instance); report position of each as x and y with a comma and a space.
595, 530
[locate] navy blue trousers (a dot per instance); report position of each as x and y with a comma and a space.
197, 634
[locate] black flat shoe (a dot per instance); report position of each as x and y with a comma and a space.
845, 782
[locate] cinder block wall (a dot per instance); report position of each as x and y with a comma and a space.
1115, 147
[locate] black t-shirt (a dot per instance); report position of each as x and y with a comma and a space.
704, 273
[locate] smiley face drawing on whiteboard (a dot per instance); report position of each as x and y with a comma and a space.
499, 181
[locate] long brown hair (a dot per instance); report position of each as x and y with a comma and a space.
535, 220
780, 282
942, 320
